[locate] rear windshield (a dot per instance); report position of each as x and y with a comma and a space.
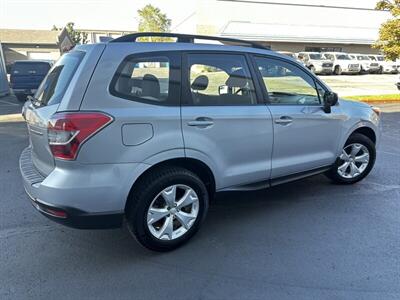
30, 68
56, 82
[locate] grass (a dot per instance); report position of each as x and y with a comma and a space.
375, 98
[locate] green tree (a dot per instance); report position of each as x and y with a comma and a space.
389, 33
151, 19
78, 37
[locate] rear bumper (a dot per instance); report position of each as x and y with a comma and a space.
87, 197
76, 218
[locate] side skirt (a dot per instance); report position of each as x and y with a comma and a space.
275, 181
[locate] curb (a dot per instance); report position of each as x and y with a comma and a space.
11, 118
380, 101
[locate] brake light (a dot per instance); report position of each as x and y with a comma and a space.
68, 131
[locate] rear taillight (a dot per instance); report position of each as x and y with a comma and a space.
68, 131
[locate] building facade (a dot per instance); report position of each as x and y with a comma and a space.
96, 36
23, 44
291, 25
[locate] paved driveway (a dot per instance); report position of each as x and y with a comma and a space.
304, 240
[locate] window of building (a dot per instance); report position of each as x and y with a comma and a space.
323, 49
287, 84
220, 79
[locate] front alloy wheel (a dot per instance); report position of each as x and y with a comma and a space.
355, 161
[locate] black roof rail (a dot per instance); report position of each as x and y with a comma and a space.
187, 38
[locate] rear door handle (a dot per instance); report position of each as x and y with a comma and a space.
202, 122
284, 120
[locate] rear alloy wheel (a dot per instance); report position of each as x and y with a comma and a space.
355, 161
172, 212
167, 208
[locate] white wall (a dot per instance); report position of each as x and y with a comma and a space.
268, 20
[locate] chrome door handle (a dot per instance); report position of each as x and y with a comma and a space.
284, 120
201, 122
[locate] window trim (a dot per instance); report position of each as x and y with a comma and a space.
301, 67
187, 99
174, 84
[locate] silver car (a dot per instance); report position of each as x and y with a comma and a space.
149, 132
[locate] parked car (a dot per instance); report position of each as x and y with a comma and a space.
26, 76
149, 132
367, 64
343, 63
316, 62
385, 66
292, 55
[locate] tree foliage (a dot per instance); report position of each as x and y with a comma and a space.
78, 37
151, 19
389, 33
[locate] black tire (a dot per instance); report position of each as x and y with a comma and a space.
360, 139
147, 189
338, 70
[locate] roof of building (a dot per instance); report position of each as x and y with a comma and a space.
28, 36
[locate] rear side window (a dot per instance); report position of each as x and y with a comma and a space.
152, 79
30, 68
220, 79
54, 85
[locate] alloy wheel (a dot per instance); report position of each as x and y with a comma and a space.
173, 212
355, 159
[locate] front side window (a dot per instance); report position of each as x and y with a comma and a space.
146, 79
287, 84
220, 79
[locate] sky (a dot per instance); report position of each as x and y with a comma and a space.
108, 14
86, 14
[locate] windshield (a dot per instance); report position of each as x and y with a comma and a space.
316, 56
362, 57
343, 56
30, 68
56, 82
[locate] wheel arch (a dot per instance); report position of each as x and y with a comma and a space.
194, 165
367, 131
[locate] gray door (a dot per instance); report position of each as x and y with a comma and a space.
305, 137
222, 122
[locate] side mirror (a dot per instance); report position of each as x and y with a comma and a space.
330, 99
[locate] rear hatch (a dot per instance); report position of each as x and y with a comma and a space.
44, 104
28, 74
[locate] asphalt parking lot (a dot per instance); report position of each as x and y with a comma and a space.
305, 240
367, 84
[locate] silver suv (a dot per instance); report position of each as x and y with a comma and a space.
148, 132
